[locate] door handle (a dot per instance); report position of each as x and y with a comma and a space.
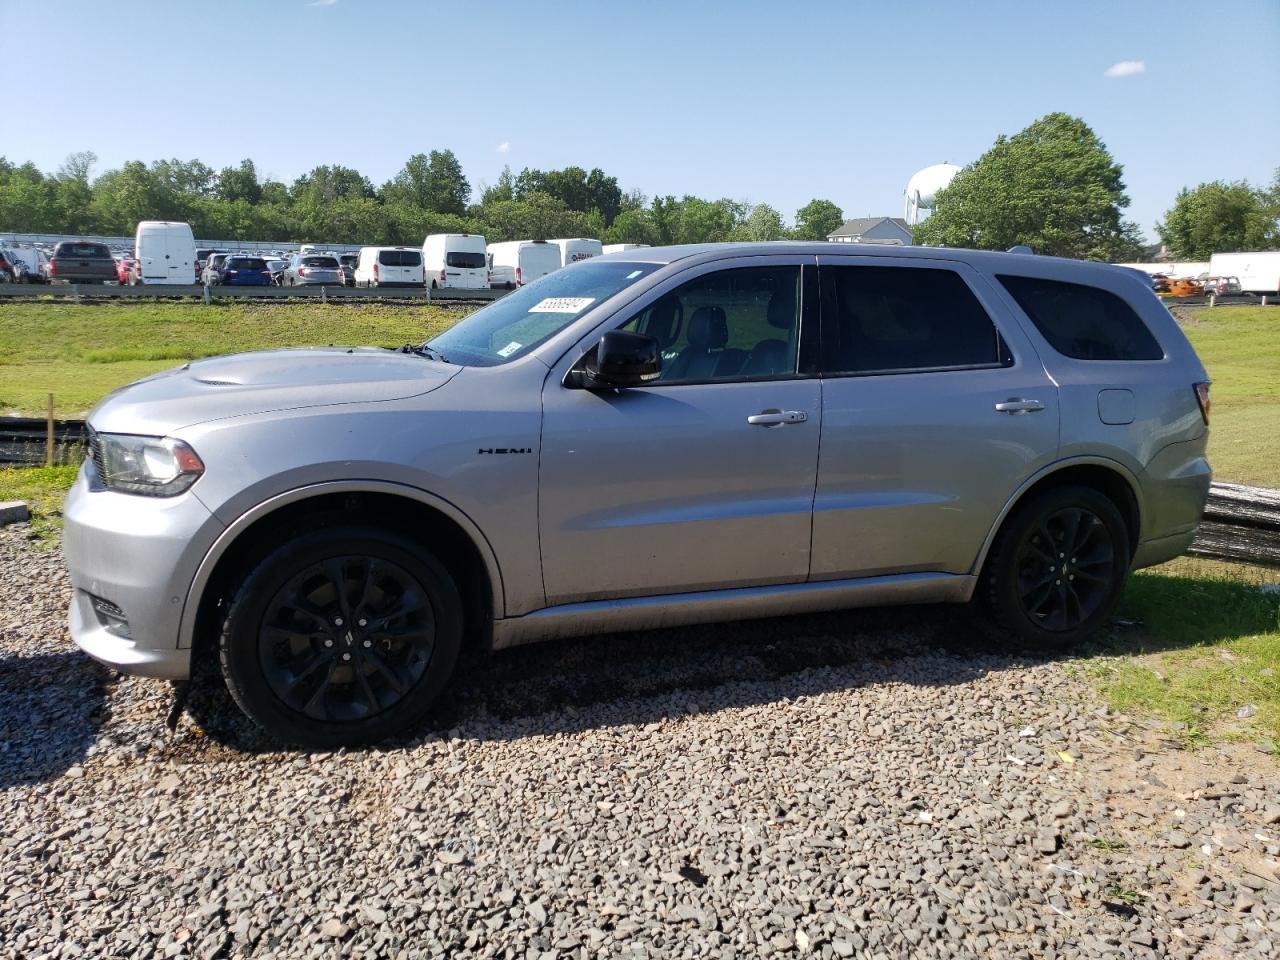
773, 418
1016, 405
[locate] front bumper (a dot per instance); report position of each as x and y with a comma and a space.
139, 555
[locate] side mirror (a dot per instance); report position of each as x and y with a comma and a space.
622, 359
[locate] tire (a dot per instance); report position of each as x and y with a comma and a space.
297, 660
1023, 585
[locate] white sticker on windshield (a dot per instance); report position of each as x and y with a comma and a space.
509, 349
633, 274
562, 305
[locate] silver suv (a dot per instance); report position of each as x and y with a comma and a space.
662, 436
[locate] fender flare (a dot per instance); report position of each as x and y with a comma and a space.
1047, 471
195, 592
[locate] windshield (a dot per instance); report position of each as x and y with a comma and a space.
322, 262
82, 250
463, 260
511, 327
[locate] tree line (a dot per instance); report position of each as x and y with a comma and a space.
1053, 186
335, 204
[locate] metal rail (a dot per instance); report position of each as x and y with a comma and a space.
102, 291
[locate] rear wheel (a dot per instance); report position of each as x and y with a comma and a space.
341, 636
1058, 567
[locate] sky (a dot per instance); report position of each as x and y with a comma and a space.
767, 102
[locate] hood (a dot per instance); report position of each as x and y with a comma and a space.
266, 380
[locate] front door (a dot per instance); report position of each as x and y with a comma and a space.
936, 408
704, 479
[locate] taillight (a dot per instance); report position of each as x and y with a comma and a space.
488, 276
442, 276
53, 268
519, 277
375, 271
302, 271
1202, 397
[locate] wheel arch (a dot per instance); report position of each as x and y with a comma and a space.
1109, 477
470, 557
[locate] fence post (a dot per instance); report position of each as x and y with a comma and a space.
206, 295
324, 294
48, 435
1213, 299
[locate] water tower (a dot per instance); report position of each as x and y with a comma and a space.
925, 186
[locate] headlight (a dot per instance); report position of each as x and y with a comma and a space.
153, 466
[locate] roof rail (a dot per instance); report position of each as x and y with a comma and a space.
1021, 248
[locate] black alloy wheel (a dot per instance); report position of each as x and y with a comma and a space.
340, 636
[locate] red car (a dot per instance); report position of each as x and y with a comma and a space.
124, 270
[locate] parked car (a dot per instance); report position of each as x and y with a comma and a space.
245, 271
211, 275
126, 271
1220, 286
574, 249
82, 261
165, 251
8, 268
28, 264
312, 268
632, 442
1160, 282
1184, 287
389, 267
347, 263
455, 260
276, 267
513, 263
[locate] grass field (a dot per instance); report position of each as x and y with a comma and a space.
79, 352
1240, 347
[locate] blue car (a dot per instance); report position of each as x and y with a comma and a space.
246, 272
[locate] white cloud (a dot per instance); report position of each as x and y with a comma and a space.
1126, 68
322, 3
503, 147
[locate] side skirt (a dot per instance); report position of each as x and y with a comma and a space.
744, 603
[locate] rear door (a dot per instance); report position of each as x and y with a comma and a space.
936, 407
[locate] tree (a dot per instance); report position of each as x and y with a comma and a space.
326, 184
431, 182
761, 223
817, 219
575, 188
632, 226
1219, 217
239, 183
1052, 186
504, 189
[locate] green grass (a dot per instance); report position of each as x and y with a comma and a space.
1206, 644
43, 489
1240, 347
80, 352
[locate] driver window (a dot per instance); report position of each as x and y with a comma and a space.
729, 325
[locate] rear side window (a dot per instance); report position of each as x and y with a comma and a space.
887, 319
462, 260
400, 258
1083, 322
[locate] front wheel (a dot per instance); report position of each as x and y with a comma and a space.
341, 636
1058, 567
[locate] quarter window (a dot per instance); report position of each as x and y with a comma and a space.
887, 319
1082, 322
728, 325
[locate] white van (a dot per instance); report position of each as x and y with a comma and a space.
166, 253
389, 267
1259, 272
578, 248
455, 260
619, 247
513, 263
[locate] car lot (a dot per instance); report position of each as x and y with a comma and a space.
879, 783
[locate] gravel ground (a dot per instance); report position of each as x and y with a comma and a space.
874, 784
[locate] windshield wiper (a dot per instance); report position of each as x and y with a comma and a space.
423, 350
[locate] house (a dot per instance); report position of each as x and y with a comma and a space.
873, 230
